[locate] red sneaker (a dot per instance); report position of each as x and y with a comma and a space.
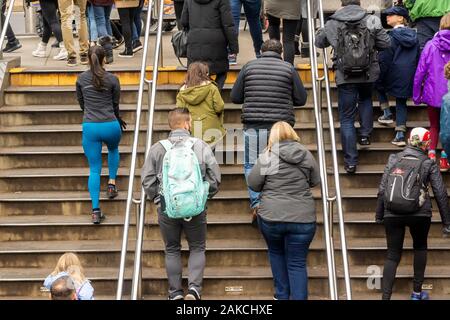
443, 165
432, 155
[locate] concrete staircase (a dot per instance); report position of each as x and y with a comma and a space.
45, 206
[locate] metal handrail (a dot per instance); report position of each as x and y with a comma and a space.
327, 199
135, 294
4, 24
130, 199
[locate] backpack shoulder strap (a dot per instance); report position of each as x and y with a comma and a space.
190, 142
166, 144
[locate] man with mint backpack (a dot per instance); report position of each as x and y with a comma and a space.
179, 175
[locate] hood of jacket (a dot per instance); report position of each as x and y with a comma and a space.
349, 13
442, 40
290, 151
203, 1
195, 95
406, 37
414, 151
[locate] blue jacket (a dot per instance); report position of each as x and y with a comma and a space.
84, 290
398, 63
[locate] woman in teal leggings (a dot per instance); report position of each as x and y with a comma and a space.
98, 93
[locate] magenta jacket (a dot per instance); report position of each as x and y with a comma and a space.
430, 84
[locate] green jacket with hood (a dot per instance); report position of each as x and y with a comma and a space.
206, 106
427, 8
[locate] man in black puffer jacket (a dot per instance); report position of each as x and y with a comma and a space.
269, 88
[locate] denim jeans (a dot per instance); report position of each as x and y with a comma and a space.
137, 25
400, 110
352, 98
101, 14
92, 24
255, 141
252, 9
288, 245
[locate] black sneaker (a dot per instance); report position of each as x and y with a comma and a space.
112, 191
12, 46
364, 141
350, 169
72, 61
137, 45
118, 43
84, 58
97, 216
192, 295
126, 53
177, 297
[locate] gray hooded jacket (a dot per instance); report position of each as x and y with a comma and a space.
285, 177
328, 36
152, 170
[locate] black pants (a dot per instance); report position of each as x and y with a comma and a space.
220, 80
178, 11
127, 19
426, 29
302, 27
289, 29
395, 235
116, 31
9, 31
51, 20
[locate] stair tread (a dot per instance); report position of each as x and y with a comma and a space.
165, 127
61, 220
231, 272
84, 172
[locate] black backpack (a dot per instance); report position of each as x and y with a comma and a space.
405, 189
355, 49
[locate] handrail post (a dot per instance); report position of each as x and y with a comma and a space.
4, 24
152, 88
133, 158
321, 153
337, 184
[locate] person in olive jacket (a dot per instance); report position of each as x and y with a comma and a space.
285, 174
210, 31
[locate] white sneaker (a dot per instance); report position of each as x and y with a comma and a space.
62, 55
41, 50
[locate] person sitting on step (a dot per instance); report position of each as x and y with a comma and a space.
70, 266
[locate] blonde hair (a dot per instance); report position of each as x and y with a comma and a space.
445, 22
281, 131
70, 263
447, 71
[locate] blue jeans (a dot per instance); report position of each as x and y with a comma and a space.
255, 141
352, 98
137, 25
94, 135
401, 111
92, 24
252, 9
102, 20
288, 245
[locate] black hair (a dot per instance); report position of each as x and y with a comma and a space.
272, 45
350, 2
96, 56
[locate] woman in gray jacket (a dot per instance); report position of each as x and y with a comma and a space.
284, 175
289, 12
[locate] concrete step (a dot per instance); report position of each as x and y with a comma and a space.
253, 280
71, 114
71, 134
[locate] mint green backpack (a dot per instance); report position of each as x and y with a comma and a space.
184, 191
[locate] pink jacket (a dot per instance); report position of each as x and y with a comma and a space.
430, 84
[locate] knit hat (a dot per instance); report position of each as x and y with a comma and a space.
419, 136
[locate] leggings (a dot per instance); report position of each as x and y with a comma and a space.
289, 28
434, 114
127, 21
50, 20
395, 235
94, 135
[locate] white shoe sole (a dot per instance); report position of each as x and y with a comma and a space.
120, 56
189, 297
137, 49
60, 57
39, 55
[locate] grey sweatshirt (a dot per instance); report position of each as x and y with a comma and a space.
98, 105
152, 170
285, 177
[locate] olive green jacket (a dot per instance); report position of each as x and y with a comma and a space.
206, 107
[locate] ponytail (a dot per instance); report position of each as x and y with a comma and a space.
96, 56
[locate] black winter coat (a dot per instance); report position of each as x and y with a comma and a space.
269, 88
398, 63
210, 31
431, 176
